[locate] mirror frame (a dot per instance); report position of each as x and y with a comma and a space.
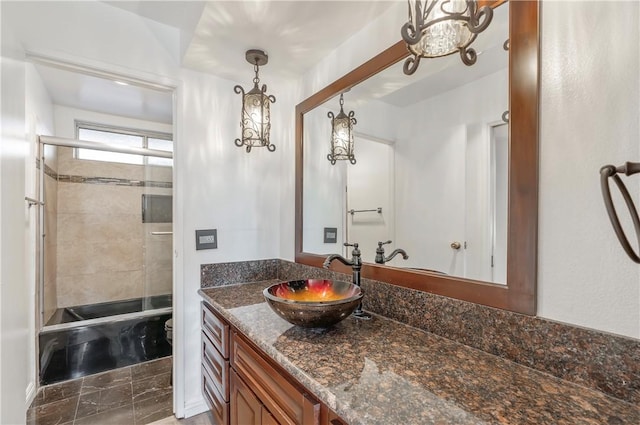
519, 294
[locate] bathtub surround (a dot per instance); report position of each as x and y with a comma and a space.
604, 362
104, 251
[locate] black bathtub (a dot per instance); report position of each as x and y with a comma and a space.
112, 308
95, 338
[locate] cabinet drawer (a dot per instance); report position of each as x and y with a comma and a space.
216, 329
287, 404
219, 408
217, 366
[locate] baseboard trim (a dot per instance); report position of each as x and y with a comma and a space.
195, 408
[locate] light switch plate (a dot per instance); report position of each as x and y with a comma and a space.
207, 239
330, 235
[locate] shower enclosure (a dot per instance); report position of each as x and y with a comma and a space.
105, 275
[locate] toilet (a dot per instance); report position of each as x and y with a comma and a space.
168, 330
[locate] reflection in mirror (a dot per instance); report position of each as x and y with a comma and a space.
432, 165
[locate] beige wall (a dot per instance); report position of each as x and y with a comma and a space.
104, 251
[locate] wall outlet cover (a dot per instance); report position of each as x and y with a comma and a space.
206, 239
330, 235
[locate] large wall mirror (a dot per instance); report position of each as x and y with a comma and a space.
445, 167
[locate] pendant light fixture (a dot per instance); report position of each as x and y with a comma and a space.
442, 27
342, 135
255, 117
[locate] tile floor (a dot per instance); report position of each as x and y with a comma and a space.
134, 395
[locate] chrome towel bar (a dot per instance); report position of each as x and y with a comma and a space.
33, 202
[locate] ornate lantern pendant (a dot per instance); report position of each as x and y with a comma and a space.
255, 117
342, 135
442, 27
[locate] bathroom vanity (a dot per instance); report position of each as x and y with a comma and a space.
259, 369
244, 386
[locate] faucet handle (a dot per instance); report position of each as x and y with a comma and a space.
383, 243
356, 252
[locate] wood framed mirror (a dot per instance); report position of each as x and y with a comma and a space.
519, 293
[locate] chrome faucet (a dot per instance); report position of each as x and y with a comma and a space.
381, 259
356, 266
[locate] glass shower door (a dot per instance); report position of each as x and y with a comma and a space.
157, 215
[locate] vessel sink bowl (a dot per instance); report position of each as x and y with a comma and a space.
313, 303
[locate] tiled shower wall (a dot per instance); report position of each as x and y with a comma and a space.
104, 251
50, 223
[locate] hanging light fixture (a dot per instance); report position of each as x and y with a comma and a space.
342, 135
442, 27
255, 117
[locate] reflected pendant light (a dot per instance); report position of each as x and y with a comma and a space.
342, 135
442, 27
255, 117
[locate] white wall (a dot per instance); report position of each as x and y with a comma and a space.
590, 107
589, 118
434, 139
39, 121
324, 185
15, 311
223, 187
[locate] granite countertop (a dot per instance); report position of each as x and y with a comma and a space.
384, 372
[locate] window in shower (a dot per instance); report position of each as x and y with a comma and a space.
119, 136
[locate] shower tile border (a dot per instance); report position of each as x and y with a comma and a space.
69, 178
112, 181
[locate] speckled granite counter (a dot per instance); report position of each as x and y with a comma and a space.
384, 372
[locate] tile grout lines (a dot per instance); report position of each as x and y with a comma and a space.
101, 395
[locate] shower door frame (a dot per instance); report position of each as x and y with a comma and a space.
72, 143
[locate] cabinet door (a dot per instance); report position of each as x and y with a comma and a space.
287, 404
267, 418
246, 409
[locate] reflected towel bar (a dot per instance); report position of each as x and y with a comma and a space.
378, 210
161, 233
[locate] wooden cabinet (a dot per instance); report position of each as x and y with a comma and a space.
288, 404
243, 386
246, 409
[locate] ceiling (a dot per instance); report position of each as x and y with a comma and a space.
439, 75
92, 93
295, 34
214, 36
